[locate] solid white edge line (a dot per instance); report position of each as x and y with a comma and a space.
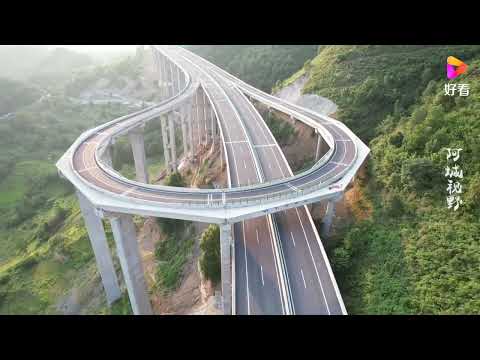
246, 266
313, 260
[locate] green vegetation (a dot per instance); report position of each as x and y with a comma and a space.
44, 246
173, 252
259, 65
282, 130
123, 156
412, 255
121, 306
370, 82
37, 268
210, 253
56, 69
15, 95
129, 67
175, 179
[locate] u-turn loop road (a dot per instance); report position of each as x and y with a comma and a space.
279, 265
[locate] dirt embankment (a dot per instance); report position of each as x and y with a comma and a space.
300, 149
207, 169
195, 295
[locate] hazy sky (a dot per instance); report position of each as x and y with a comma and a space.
90, 48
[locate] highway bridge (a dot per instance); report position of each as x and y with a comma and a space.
272, 258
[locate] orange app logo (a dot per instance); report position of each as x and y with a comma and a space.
455, 67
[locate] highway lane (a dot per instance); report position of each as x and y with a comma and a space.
259, 260
258, 288
85, 165
311, 286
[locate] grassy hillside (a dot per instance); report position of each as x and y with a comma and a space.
412, 255
44, 246
258, 65
370, 82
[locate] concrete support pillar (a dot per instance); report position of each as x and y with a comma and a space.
165, 87
166, 77
125, 236
171, 79
322, 146
173, 145
196, 112
226, 245
189, 114
221, 156
319, 140
138, 148
96, 233
166, 148
107, 156
329, 214
161, 75
205, 116
179, 80
183, 122
213, 123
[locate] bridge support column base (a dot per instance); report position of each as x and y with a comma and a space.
189, 115
322, 147
226, 266
172, 143
124, 233
166, 148
183, 122
329, 214
100, 248
107, 156
138, 148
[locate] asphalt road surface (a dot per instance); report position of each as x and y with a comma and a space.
264, 245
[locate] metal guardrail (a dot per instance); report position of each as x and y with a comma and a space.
227, 194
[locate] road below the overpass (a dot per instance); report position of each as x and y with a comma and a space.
265, 244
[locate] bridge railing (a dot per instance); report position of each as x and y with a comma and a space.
234, 197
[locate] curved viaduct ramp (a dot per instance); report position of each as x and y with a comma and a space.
279, 264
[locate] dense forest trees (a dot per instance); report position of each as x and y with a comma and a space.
411, 254
259, 65
129, 67
14, 95
370, 82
